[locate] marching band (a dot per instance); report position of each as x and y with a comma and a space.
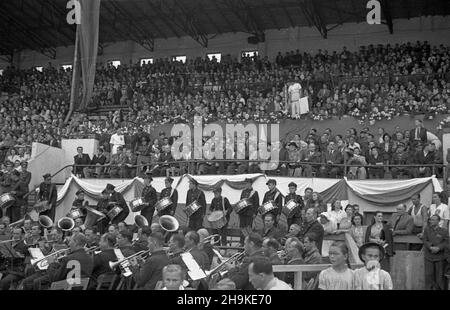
39, 254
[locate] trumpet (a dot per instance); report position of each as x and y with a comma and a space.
16, 223
34, 262
6, 241
213, 239
114, 265
92, 249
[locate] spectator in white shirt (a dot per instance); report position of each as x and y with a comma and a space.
117, 140
261, 276
328, 223
294, 91
336, 213
440, 209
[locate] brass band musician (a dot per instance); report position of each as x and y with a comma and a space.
149, 197
102, 259
19, 189
117, 199
247, 215
13, 255
273, 195
47, 192
220, 203
295, 217
172, 193
195, 194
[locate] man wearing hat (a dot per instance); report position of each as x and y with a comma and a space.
172, 193
47, 192
18, 190
275, 196
295, 216
220, 203
247, 215
117, 199
294, 169
195, 194
371, 276
149, 197
80, 203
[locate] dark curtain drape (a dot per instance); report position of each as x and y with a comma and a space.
88, 40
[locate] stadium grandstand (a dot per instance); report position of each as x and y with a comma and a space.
225, 144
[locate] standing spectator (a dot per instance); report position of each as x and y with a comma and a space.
419, 133
357, 231
339, 276
401, 222
419, 213
435, 242
116, 141
441, 209
381, 233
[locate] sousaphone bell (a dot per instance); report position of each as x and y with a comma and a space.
169, 223
140, 221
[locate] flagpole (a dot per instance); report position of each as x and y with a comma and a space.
74, 92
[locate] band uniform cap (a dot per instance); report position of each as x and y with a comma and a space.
47, 175
110, 187
273, 181
169, 179
292, 184
362, 249
79, 192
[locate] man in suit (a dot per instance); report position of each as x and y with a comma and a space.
269, 230
401, 222
172, 193
81, 159
14, 264
331, 157
313, 157
102, 259
435, 243
47, 192
312, 226
191, 243
151, 272
425, 157
195, 194
77, 253
419, 133
97, 162
149, 197
253, 250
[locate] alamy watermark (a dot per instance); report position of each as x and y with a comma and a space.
233, 144
374, 15
74, 15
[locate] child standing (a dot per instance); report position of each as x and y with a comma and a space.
339, 276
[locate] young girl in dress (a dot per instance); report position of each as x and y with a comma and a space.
339, 276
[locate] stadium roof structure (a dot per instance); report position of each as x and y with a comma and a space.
41, 24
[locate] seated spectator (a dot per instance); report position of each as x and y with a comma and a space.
328, 223
81, 160
346, 222
426, 157
331, 157
311, 256
294, 169
271, 247
336, 213
357, 172
128, 169
270, 230
314, 158
261, 276
377, 164
98, 161
400, 157
317, 203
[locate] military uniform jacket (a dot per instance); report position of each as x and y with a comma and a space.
48, 192
196, 194
298, 199
174, 198
79, 204
118, 197
254, 197
277, 198
149, 196
217, 204
436, 237
21, 189
86, 265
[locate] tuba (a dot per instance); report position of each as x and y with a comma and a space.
169, 223
140, 221
66, 224
45, 221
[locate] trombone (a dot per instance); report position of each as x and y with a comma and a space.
34, 262
234, 258
92, 249
114, 265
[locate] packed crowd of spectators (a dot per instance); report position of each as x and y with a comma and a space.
373, 83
